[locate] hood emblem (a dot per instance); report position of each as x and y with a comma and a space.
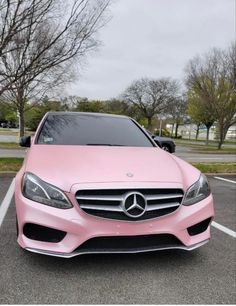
129, 174
134, 204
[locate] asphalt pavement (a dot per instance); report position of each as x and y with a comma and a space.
190, 156
12, 153
203, 276
9, 138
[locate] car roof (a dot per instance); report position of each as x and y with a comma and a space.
87, 114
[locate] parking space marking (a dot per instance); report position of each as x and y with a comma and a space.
6, 201
224, 229
224, 179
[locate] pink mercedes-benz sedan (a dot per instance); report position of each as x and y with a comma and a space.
97, 183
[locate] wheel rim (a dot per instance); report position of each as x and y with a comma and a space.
165, 148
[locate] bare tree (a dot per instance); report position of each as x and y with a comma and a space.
16, 17
151, 96
200, 112
211, 78
53, 37
177, 109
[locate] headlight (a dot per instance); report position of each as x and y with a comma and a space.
37, 190
198, 191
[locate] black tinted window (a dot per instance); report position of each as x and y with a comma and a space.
76, 129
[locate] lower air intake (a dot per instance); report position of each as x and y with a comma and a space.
129, 243
42, 233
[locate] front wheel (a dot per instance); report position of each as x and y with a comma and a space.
165, 147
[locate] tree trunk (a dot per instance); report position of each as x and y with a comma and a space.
21, 123
219, 144
208, 126
207, 135
176, 130
172, 129
223, 131
197, 131
149, 123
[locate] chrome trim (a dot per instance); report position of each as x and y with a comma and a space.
102, 207
73, 254
120, 199
142, 209
161, 206
119, 208
101, 198
163, 196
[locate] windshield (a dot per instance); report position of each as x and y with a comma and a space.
94, 130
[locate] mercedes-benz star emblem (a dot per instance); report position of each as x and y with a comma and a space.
129, 174
134, 204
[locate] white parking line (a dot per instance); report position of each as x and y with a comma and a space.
224, 179
6, 201
224, 229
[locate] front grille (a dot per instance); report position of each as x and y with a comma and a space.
109, 203
129, 243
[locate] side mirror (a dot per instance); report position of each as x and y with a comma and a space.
25, 141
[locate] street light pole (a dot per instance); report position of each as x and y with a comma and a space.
160, 127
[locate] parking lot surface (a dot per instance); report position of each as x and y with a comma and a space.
203, 276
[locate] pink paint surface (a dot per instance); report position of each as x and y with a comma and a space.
72, 168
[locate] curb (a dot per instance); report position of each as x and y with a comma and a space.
217, 173
7, 174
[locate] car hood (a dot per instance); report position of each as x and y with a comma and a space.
64, 166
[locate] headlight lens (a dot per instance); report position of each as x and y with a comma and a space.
198, 191
37, 190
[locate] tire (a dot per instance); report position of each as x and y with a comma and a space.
166, 148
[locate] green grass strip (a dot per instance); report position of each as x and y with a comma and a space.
216, 167
14, 164
10, 164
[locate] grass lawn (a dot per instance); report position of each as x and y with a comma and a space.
14, 164
8, 164
214, 151
211, 142
207, 149
216, 167
15, 132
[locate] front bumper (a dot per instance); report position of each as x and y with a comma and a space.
80, 227
76, 253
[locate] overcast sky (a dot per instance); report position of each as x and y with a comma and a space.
153, 38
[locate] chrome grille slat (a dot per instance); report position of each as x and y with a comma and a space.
102, 207
161, 206
100, 198
109, 203
162, 196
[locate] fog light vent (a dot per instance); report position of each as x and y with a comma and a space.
42, 233
199, 227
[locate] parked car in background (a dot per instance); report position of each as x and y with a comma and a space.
166, 143
7, 124
97, 183
4, 125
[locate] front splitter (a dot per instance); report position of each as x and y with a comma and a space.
131, 251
